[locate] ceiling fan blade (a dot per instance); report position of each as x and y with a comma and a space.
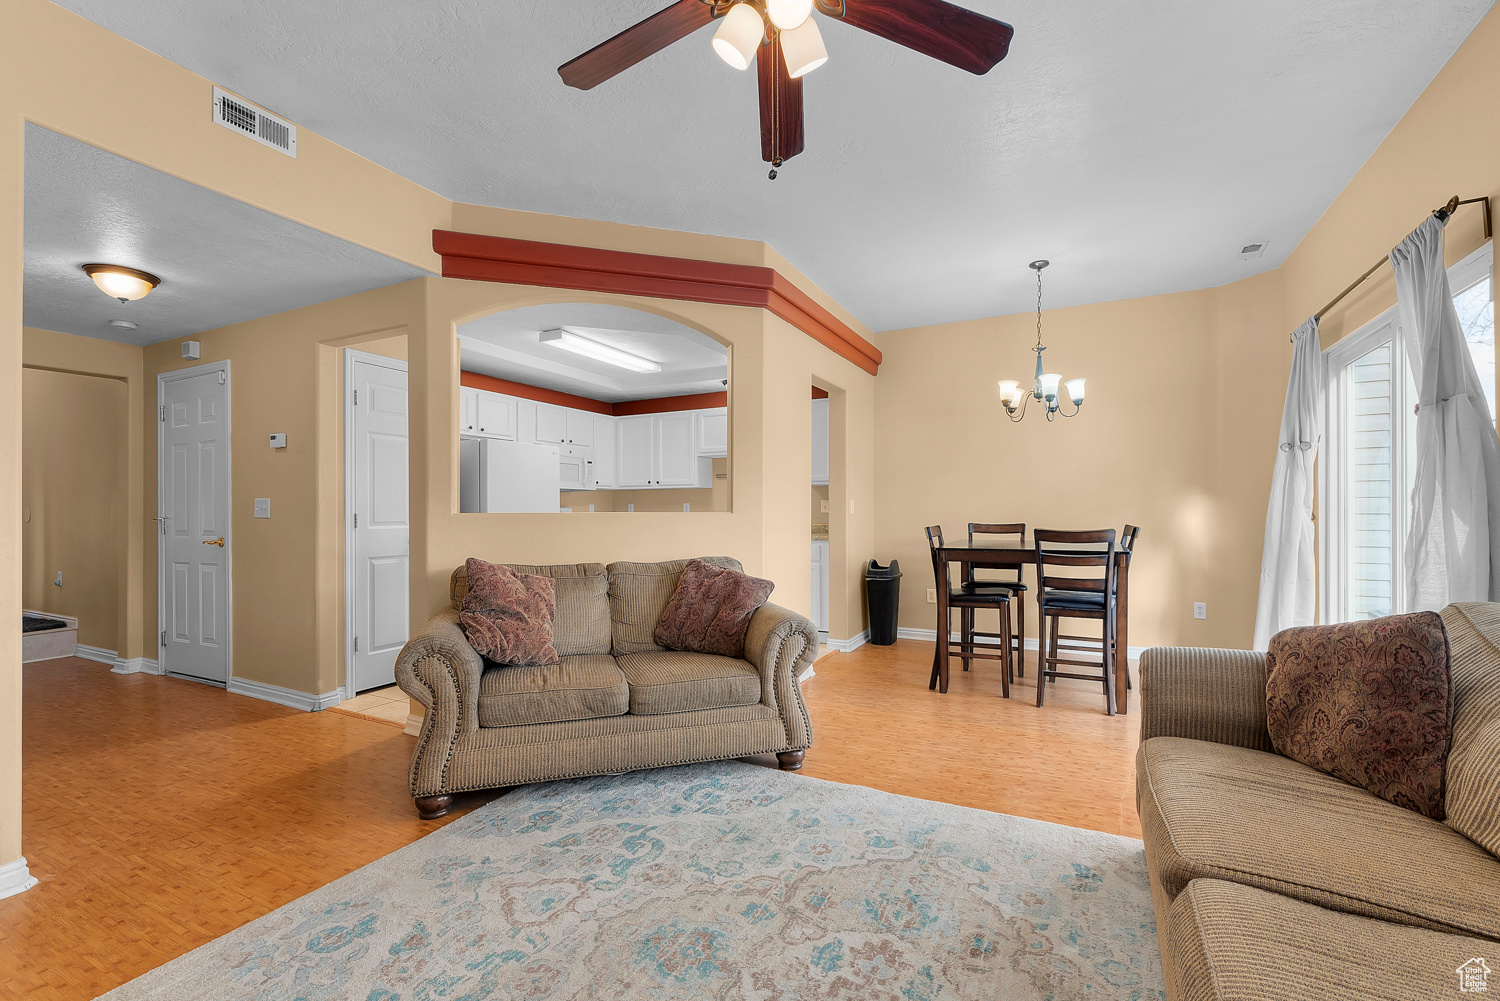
635, 43
941, 30
780, 105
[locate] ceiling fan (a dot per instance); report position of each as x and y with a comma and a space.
783, 39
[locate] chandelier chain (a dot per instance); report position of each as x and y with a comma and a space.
1039, 305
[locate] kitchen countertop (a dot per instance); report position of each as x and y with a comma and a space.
820, 533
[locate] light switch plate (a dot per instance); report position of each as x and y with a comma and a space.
825, 506
278, 440
263, 507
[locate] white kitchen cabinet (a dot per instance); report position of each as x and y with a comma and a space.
635, 462
820, 586
820, 443
676, 450
605, 448
495, 416
581, 428
468, 410
551, 424
713, 433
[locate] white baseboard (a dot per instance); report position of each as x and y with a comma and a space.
930, 635
96, 653
807, 672
413, 725
285, 696
850, 645
136, 665
15, 878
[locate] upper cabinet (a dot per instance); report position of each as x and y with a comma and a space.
635, 462
496, 416
551, 424
676, 449
713, 433
468, 410
820, 442
580, 427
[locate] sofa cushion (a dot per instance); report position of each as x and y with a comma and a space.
1214, 811
670, 681
1230, 942
709, 611
506, 616
1367, 702
580, 625
574, 688
1473, 796
638, 594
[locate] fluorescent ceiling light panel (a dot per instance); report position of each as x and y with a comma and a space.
564, 338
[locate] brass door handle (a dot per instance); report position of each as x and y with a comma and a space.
215, 542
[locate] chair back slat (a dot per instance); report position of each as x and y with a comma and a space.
1006, 575
1076, 550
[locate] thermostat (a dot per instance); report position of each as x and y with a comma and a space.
278, 440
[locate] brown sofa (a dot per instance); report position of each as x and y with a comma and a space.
1274, 880
614, 702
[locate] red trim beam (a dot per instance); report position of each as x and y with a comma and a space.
555, 265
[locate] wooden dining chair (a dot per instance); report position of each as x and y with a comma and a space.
966, 599
1008, 577
1088, 643
1075, 580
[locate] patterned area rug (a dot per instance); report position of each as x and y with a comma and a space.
707, 881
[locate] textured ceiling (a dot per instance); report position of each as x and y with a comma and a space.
1137, 146
505, 345
220, 261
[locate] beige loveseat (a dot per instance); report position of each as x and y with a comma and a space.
613, 703
1274, 880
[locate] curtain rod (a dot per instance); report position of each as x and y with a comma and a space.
1442, 213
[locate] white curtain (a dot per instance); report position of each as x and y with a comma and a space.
1288, 580
1451, 544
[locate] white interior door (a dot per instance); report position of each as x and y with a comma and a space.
193, 501
379, 530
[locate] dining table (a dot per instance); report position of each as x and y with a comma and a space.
1018, 555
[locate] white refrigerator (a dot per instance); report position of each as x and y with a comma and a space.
508, 476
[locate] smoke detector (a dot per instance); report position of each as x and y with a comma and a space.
257, 123
1251, 251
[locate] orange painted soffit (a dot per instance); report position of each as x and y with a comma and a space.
556, 265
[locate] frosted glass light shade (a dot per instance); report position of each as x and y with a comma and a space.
1010, 391
788, 14
1075, 390
121, 283
1048, 382
803, 49
739, 35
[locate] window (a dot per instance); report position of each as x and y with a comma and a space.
1367, 463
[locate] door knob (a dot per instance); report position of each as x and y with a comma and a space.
215, 542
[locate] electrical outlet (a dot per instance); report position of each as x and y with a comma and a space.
58, 579
1200, 609
262, 507
932, 596
825, 506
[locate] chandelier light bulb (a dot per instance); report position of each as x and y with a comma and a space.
121, 283
739, 35
1010, 392
1048, 385
1075, 391
788, 15
803, 49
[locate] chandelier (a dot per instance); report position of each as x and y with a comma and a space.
1044, 387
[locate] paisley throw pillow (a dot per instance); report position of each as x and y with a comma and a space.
507, 616
1367, 702
710, 610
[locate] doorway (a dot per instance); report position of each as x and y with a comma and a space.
378, 530
194, 531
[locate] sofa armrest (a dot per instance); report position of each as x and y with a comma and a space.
439, 669
780, 643
1204, 694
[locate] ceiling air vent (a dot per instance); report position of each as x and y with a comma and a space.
248, 120
1251, 251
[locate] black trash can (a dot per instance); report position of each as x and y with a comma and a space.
883, 589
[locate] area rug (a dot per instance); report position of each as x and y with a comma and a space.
708, 881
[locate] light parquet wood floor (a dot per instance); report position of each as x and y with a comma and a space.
160, 814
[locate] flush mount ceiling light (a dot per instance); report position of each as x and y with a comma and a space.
1044, 385
782, 38
121, 282
563, 338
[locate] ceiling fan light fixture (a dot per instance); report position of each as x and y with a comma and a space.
803, 48
739, 35
120, 282
789, 15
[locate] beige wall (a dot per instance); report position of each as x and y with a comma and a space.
75, 459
